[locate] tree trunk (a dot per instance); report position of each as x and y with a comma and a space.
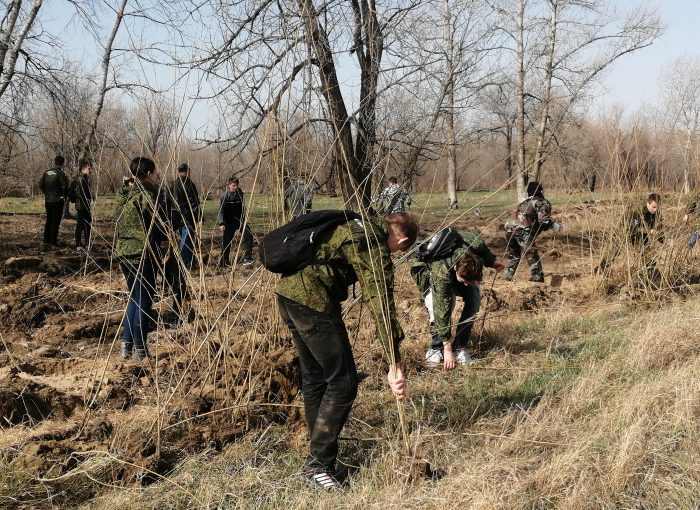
330, 88
450, 111
10, 61
546, 97
521, 182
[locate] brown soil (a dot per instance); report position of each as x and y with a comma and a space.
69, 404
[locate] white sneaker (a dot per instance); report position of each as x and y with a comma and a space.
433, 356
323, 479
463, 357
247, 262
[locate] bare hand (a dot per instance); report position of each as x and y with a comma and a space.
396, 382
499, 265
685, 218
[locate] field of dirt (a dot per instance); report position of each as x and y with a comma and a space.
70, 405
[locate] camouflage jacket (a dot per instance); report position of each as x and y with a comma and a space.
355, 251
299, 198
533, 215
393, 199
83, 195
141, 217
639, 225
54, 185
439, 278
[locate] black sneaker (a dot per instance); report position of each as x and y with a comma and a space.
140, 354
323, 479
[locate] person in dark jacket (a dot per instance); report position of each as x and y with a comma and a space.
54, 186
232, 219
187, 200
310, 304
83, 204
640, 225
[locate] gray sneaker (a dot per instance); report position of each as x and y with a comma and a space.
463, 357
247, 262
433, 356
125, 351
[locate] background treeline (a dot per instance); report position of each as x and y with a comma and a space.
445, 94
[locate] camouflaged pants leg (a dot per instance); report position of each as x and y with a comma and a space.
533, 260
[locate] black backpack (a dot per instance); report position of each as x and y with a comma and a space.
440, 246
291, 247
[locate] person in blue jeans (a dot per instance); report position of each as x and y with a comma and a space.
186, 198
441, 282
142, 220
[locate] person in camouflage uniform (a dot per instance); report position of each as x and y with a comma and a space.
393, 199
83, 204
142, 219
298, 198
310, 304
533, 216
440, 282
54, 186
640, 224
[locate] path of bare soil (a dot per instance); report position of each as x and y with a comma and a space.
68, 401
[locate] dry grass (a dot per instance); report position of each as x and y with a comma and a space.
602, 414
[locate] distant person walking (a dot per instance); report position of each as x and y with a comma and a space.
393, 199
231, 219
298, 197
54, 186
187, 199
81, 192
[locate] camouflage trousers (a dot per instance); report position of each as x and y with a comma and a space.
520, 245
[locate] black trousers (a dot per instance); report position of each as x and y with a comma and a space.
230, 230
328, 377
54, 213
83, 226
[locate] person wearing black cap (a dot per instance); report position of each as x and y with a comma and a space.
187, 199
54, 186
533, 216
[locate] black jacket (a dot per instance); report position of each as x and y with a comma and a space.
187, 200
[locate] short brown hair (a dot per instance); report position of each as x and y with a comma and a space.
404, 223
654, 197
470, 268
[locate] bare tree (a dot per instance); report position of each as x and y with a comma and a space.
560, 47
681, 109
